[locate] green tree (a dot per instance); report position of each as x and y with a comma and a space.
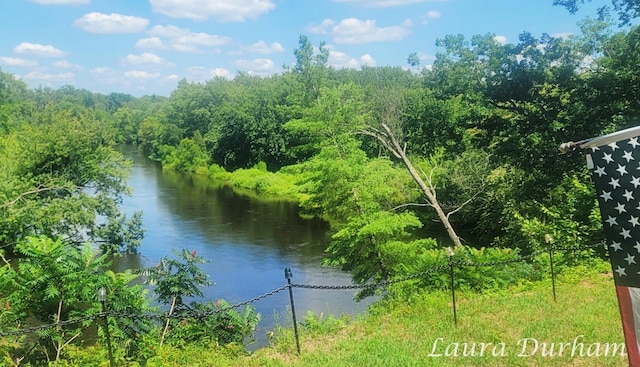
14, 103
61, 178
413, 60
627, 9
187, 157
357, 192
310, 68
175, 279
54, 282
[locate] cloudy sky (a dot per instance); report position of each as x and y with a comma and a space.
145, 46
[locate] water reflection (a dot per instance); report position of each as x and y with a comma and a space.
248, 242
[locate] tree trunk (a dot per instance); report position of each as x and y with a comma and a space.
429, 192
166, 325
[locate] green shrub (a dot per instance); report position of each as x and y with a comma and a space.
222, 325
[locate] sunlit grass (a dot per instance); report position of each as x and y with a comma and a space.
586, 313
422, 332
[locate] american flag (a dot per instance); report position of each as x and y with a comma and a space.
615, 168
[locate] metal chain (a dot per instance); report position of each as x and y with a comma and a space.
189, 314
160, 316
195, 314
230, 307
34, 329
372, 285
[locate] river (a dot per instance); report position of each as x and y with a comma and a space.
248, 243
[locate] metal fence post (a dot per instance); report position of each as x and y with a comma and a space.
453, 290
549, 240
102, 296
288, 276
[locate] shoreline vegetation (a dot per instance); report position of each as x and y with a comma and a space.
518, 326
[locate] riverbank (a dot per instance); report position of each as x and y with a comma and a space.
520, 326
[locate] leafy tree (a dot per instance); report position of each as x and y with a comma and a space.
413, 60
14, 103
357, 192
311, 68
175, 279
223, 326
54, 281
187, 157
627, 9
60, 179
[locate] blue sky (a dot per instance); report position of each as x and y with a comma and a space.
144, 47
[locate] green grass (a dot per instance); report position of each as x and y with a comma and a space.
405, 334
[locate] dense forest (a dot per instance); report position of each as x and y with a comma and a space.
466, 146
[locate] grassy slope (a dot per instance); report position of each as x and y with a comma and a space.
586, 309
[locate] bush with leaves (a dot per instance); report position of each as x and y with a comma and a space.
568, 218
220, 324
179, 278
475, 269
54, 282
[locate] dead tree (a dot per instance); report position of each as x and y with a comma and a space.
389, 140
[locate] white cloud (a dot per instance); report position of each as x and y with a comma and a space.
338, 59
180, 39
366, 59
426, 59
563, 35
201, 74
38, 49
100, 70
256, 65
587, 63
261, 47
67, 65
201, 39
388, 3
12, 61
431, 14
356, 31
143, 58
111, 23
140, 74
221, 72
221, 10
72, 2
322, 28
168, 31
152, 42
61, 77
501, 39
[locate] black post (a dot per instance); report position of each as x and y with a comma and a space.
102, 295
553, 273
288, 276
548, 239
453, 290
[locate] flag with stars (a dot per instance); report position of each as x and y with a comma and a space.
614, 161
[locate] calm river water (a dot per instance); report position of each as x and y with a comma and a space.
248, 243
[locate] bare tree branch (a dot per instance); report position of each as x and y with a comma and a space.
429, 191
410, 204
465, 203
34, 191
